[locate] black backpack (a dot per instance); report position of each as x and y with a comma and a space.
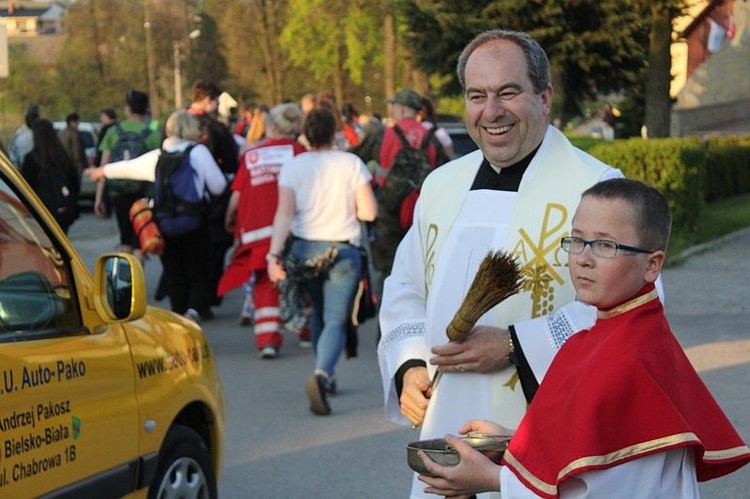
398, 196
178, 206
129, 145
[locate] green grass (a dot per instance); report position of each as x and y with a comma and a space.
715, 220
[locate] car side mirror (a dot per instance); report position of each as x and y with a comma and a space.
119, 287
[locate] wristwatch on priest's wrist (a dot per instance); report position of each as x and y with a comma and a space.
512, 357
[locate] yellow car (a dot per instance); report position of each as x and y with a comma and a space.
100, 395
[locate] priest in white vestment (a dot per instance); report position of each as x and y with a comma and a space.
517, 193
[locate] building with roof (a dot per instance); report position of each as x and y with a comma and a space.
711, 69
36, 26
32, 18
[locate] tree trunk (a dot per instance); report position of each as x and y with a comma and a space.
274, 31
658, 103
264, 43
390, 56
97, 40
338, 80
151, 62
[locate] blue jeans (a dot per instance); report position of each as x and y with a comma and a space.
332, 295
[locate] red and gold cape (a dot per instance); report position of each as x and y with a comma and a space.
622, 390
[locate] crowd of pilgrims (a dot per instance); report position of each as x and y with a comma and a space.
289, 215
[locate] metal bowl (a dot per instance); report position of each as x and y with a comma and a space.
492, 446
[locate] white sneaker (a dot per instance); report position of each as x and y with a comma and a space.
193, 315
268, 353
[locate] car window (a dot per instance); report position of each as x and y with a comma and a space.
37, 297
463, 144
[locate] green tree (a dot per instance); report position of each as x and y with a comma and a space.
207, 58
334, 38
584, 61
105, 51
438, 31
29, 82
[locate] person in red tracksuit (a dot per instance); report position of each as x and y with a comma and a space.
252, 207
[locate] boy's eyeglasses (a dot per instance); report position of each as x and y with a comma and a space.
602, 248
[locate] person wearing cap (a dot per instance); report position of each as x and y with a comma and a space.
382, 148
405, 107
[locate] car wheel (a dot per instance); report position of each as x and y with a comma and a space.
185, 468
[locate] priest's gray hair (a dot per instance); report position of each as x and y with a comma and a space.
536, 57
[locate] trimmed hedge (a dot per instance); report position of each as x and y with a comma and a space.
674, 166
727, 168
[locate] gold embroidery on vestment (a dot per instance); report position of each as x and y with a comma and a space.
512, 381
429, 257
538, 272
538, 281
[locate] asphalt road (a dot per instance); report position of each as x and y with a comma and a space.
276, 448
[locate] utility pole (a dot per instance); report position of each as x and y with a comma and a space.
151, 61
177, 55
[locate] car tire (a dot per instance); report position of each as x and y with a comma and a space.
185, 468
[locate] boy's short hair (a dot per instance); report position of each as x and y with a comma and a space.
653, 219
72, 117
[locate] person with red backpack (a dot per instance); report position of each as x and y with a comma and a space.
400, 152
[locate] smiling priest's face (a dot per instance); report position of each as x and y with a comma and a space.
504, 116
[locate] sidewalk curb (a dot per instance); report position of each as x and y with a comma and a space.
709, 245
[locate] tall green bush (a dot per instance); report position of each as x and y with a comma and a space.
727, 167
674, 166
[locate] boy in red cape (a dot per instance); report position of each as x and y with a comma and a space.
621, 412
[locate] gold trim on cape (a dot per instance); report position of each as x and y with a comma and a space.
627, 306
604, 460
